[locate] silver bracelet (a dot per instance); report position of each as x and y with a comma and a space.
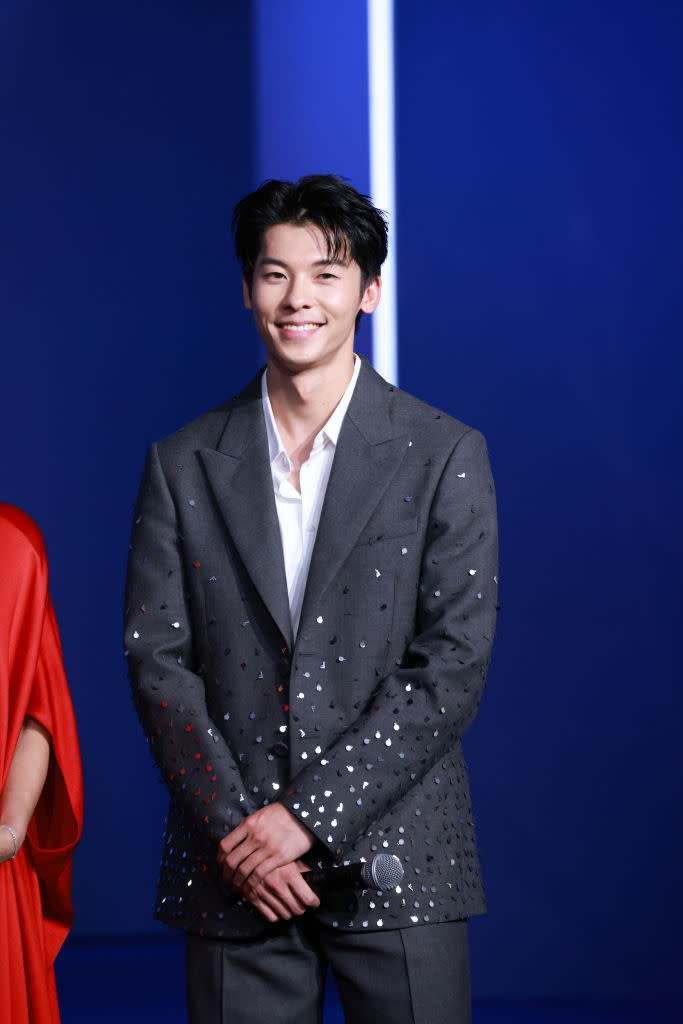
14, 839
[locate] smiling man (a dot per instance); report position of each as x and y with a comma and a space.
311, 606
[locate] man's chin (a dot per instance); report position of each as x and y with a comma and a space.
300, 358
297, 360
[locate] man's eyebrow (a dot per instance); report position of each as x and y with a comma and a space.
318, 263
272, 259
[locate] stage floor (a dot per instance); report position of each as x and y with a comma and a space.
110, 981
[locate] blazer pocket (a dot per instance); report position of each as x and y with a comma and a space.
389, 531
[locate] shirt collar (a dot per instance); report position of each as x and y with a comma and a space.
329, 432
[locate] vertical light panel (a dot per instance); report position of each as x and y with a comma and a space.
382, 176
310, 96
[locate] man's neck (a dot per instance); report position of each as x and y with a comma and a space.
302, 403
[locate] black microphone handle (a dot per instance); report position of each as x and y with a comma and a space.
348, 876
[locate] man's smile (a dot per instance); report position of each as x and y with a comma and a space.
290, 328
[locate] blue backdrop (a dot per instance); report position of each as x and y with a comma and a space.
539, 260
128, 137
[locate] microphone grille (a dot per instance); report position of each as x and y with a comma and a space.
383, 872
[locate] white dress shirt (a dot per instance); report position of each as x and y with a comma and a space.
299, 512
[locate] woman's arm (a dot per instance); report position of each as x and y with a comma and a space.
24, 785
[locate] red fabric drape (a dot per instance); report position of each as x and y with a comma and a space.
35, 887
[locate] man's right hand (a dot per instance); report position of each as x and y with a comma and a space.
283, 893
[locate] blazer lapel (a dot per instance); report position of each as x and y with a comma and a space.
240, 477
367, 458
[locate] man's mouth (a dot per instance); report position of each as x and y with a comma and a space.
286, 325
292, 331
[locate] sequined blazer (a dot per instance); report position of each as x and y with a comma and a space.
355, 724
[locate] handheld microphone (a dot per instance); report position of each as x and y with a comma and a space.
383, 872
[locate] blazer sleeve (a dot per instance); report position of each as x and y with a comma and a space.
196, 763
419, 711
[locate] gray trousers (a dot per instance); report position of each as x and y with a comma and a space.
414, 975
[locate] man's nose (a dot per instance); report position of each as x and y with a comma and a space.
299, 293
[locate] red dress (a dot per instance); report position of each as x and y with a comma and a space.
35, 887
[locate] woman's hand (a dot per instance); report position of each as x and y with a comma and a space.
7, 844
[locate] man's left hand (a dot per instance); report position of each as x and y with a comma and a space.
267, 839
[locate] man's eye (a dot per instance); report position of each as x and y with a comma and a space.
327, 276
275, 274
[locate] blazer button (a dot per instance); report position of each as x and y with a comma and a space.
280, 749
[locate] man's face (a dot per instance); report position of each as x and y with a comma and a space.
305, 305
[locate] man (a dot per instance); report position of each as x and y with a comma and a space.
311, 607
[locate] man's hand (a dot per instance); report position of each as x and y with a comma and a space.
260, 858
283, 893
266, 840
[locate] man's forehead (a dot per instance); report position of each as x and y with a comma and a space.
307, 241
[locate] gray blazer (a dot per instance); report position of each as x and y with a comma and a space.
355, 723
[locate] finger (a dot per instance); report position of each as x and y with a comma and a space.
306, 896
276, 905
266, 866
257, 877
288, 885
228, 874
278, 888
233, 839
230, 862
240, 854
265, 911
295, 905
251, 868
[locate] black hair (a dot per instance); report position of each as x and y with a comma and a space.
352, 226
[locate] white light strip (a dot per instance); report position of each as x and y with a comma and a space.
382, 176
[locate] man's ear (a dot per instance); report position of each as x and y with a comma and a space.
371, 294
246, 297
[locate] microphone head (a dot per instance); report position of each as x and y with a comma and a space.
383, 872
